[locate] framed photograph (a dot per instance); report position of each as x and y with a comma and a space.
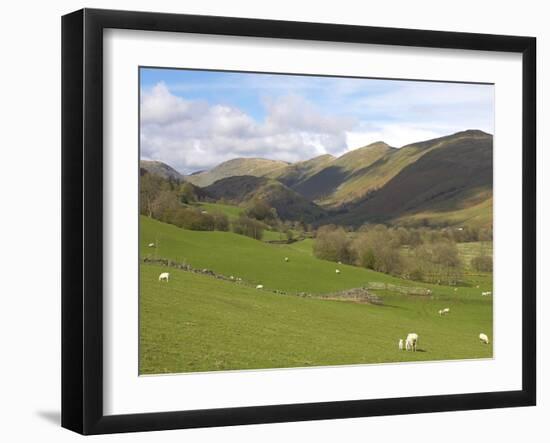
269, 221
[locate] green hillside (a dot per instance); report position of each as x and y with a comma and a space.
244, 189
324, 183
296, 173
256, 167
196, 322
451, 182
231, 211
261, 263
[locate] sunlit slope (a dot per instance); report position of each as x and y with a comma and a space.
453, 177
198, 323
257, 262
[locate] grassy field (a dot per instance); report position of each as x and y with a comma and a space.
231, 211
199, 323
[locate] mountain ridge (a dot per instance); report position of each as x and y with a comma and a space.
442, 179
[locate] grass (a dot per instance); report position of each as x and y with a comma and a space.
231, 211
198, 323
260, 263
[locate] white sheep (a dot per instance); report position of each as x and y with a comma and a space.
259, 286
231, 277
400, 344
446, 311
440, 312
484, 338
456, 289
151, 245
486, 293
338, 271
165, 276
286, 258
411, 341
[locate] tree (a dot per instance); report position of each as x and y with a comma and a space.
150, 186
377, 249
260, 210
186, 193
248, 226
221, 222
332, 244
482, 263
439, 261
164, 206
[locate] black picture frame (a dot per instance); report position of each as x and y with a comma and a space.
82, 218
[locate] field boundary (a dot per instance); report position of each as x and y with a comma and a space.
357, 295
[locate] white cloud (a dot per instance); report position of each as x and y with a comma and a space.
191, 135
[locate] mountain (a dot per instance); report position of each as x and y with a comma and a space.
445, 180
294, 174
321, 185
442, 181
161, 169
365, 180
257, 167
289, 204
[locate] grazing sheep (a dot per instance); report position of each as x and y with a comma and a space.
259, 286
411, 341
446, 311
400, 344
151, 245
239, 279
165, 276
338, 271
231, 277
485, 293
484, 338
286, 258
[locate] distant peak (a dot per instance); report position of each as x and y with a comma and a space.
472, 133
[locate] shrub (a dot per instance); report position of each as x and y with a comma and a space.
378, 249
482, 263
248, 226
332, 244
417, 275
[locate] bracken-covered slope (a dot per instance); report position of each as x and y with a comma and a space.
450, 181
257, 167
289, 204
447, 180
320, 186
296, 173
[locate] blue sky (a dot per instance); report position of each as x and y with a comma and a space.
194, 120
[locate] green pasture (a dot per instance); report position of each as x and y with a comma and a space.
196, 322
